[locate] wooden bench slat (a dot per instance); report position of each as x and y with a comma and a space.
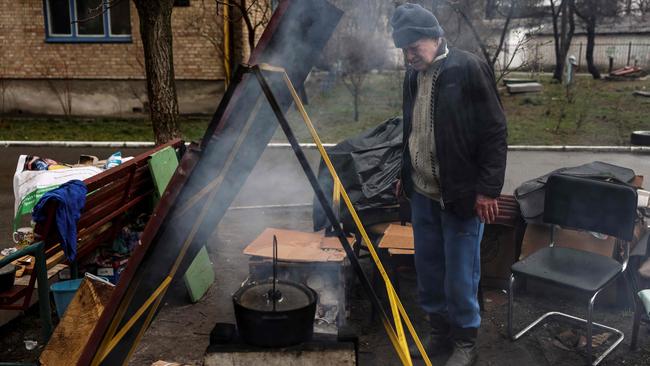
101, 194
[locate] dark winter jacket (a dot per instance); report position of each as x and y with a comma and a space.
470, 132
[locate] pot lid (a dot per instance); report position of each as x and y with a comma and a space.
258, 296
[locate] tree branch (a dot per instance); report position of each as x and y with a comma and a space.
100, 9
504, 32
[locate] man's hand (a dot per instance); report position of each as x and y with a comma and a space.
398, 188
486, 208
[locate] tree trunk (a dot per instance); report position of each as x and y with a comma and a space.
564, 38
591, 42
560, 56
356, 104
156, 32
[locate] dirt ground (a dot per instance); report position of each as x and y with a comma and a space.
181, 330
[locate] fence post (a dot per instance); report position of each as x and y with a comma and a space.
629, 51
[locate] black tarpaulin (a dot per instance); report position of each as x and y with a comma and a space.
368, 165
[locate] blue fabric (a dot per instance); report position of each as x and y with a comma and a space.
71, 198
447, 262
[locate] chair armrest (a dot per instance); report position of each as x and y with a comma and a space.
32, 249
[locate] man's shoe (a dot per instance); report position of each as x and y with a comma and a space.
465, 348
434, 344
437, 342
465, 353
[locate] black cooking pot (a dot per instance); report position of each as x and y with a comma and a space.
7, 277
267, 322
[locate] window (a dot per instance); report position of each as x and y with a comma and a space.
87, 21
181, 2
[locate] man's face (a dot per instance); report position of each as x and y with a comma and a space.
421, 53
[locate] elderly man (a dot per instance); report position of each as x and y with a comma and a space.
452, 171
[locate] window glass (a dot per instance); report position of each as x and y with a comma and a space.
59, 16
90, 17
120, 16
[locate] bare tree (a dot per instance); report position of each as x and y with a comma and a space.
360, 56
255, 16
246, 19
590, 12
62, 89
562, 12
490, 25
637, 7
359, 45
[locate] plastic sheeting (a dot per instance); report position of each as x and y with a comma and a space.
368, 166
530, 194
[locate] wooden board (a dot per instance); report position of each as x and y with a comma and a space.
71, 335
396, 251
397, 237
199, 275
24, 280
162, 165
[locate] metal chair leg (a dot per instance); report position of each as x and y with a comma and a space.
511, 304
588, 323
590, 310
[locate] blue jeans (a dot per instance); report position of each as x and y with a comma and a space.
447, 261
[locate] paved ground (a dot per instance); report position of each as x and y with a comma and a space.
278, 180
180, 332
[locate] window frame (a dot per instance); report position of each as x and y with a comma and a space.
74, 36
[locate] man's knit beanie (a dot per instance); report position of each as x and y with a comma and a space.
411, 22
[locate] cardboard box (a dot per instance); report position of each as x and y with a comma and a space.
297, 246
397, 237
538, 236
499, 248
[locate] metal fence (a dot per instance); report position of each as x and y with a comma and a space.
542, 55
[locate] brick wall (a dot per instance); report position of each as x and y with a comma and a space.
24, 54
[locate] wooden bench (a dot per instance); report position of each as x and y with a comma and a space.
111, 194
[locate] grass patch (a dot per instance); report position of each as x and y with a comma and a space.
91, 129
602, 113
